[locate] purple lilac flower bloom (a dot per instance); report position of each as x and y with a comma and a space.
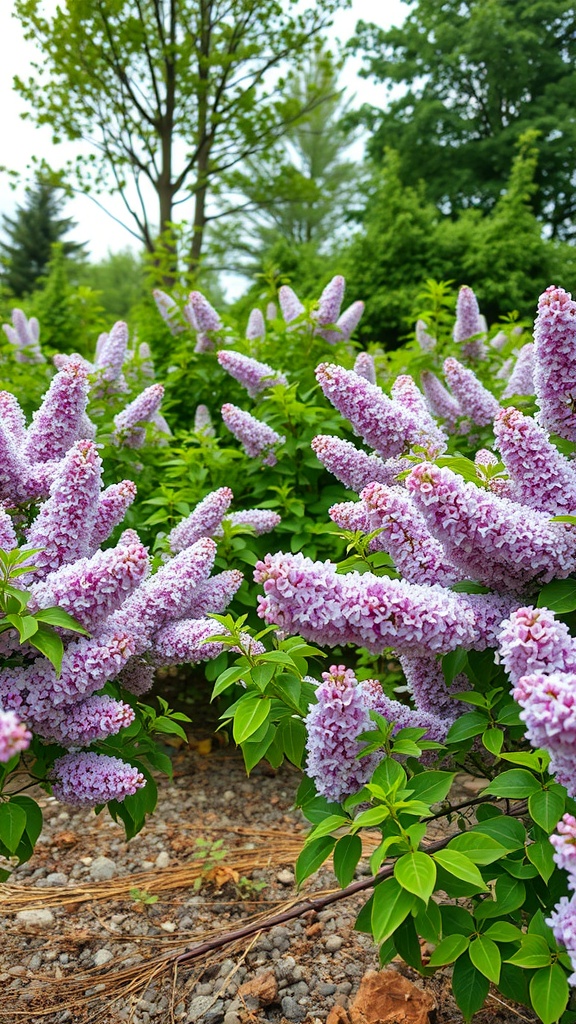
548, 701
203, 421
352, 466
56, 425
431, 436
485, 458
474, 399
13, 471
169, 311
540, 476
349, 320
353, 515
426, 342
14, 736
562, 921
401, 715
328, 309
499, 340
112, 354
532, 640
113, 503
185, 642
251, 374
440, 401
333, 726
257, 438
65, 522
90, 589
202, 521
144, 406
492, 539
256, 327
425, 679
259, 521
554, 365
383, 424
290, 304
364, 367
271, 311
417, 555
564, 843
24, 336
137, 676
521, 380
468, 324
8, 539
87, 779
12, 417
311, 598
211, 596
83, 723
203, 319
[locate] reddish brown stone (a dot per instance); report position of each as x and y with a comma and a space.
263, 987
385, 997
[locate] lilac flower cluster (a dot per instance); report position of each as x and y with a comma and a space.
24, 335
86, 779
256, 437
254, 376
425, 340
469, 325
521, 380
562, 920
554, 364
14, 736
333, 326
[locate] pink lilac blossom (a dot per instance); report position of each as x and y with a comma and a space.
485, 458
440, 401
532, 640
468, 324
540, 477
112, 354
499, 340
311, 598
548, 703
202, 521
427, 685
203, 421
12, 417
65, 521
113, 504
8, 539
86, 779
505, 370
211, 596
352, 466
185, 642
24, 335
56, 425
364, 367
14, 736
564, 843
383, 424
495, 540
271, 311
252, 375
258, 520
521, 380
426, 342
90, 589
562, 921
84, 723
169, 311
137, 676
417, 555
349, 320
333, 725
144, 406
474, 399
432, 437
290, 304
256, 327
257, 438
353, 515
328, 310
203, 319
554, 364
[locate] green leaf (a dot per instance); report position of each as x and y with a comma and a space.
12, 825
372, 816
480, 849
428, 922
58, 617
449, 950
253, 750
541, 855
464, 728
508, 831
262, 674
325, 827
485, 955
534, 952
313, 856
503, 931
549, 993
546, 807
33, 815
432, 787
509, 893
559, 596
227, 679
469, 985
515, 784
493, 740
391, 906
456, 920
292, 738
25, 624
251, 713
389, 774
417, 873
461, 867
347, 853
50, 645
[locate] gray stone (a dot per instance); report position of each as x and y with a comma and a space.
231, 1018
56, 878
344, 987
102, 869
102, 956
162, 860
286, 877
334, 943
291, 1009
215, 1014
300, 989
285, 967
197, 1008
325, 988
36, 918
205, 989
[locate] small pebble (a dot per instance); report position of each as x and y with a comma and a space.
36, 918
168, 926
231, 1018
102, 956
325, 988
286, 877
56, 878
197, 1008
162, 860
333, 943
102, 869
291, 1009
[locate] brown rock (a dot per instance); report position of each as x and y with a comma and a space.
385, 997
314, 929
263, 987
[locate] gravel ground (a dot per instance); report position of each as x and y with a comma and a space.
78, 946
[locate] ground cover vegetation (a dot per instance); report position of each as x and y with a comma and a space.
359, 512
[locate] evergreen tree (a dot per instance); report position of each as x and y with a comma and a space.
30, 235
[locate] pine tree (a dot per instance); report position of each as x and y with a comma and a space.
30, 235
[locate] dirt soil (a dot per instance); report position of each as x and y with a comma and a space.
92, 927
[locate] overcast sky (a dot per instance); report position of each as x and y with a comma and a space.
20, 140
